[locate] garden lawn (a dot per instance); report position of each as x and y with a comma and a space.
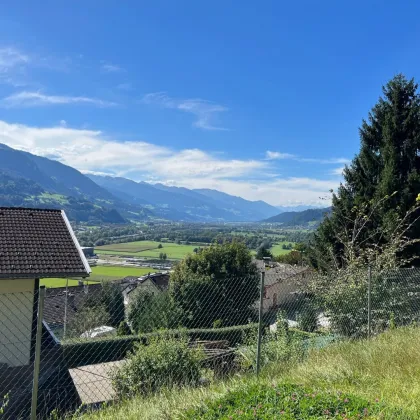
380, 375
100, 273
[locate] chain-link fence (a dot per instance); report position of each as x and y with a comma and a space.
81, 346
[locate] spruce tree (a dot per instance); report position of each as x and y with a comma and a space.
387, 165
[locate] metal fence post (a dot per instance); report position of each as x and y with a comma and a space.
37, 352
65, 309
369, 301
260, 323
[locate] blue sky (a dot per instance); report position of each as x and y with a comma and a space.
258, 99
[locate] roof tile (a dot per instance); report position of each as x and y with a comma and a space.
37, 243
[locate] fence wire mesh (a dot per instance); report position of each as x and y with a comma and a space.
106, 342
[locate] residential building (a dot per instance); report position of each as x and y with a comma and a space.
34, 244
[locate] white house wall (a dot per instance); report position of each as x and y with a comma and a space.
16, 312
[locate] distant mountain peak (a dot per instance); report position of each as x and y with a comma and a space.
309, 217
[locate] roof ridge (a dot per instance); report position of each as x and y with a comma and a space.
29, 209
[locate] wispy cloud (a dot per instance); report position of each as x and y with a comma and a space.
12, 66
111, 68
338, 171
325, 161
93, 151
205, 111
270, 155
10, 57
31, 99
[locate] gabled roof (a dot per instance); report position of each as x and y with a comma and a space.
55, 302
39, 243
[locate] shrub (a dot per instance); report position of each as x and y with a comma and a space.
308, 318
84, 352
282, 346
394, 300
123, 329
218, 323
285, 401
165, 362
149, 311
87, 319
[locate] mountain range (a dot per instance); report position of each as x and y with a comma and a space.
29, 180
309, 217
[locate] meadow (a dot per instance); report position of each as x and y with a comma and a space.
147, 249
372, 379
100, 273
173, 251
277, 249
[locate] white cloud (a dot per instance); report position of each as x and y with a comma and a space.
270, 155
338, 171
30, 99
277, 155
93, 151
204, 111
111, 68
284, 192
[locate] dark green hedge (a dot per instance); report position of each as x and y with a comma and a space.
102, 350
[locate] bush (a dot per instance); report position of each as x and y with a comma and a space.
164, 363
123, 329
218, 323
394, 300
150, 311
87, 319
308, 318
84, 352
285, 401
282, 346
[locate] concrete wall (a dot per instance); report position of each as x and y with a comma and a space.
16, 312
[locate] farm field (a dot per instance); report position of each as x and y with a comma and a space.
277, 249
100, 273
130, 247
147, 249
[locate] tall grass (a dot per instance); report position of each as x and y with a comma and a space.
386, 368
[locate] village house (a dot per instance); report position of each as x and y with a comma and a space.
62, 305
152, 282
282, 284
34, 244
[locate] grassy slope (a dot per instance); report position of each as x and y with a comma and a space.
101, 273
147, 249
385, 368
